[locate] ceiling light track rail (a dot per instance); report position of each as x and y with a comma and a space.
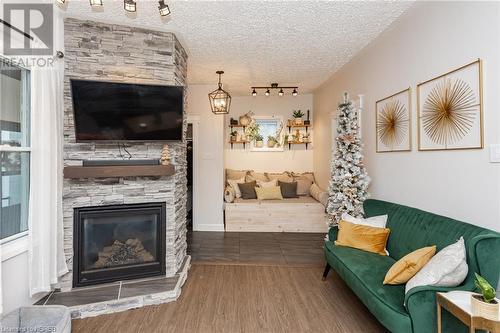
274, 86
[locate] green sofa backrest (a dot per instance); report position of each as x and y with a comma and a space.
413, 228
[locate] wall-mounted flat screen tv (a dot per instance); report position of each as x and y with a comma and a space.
111, 111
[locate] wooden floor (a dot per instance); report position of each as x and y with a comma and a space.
232, 296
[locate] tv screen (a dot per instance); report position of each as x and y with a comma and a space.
109, 111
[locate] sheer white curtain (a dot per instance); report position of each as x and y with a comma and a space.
46, 252
46, 256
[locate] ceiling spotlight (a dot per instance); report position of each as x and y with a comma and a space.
163, 8
281, 93
130, 5
61, 1
254, 93
95, 3
268, 92
294, 92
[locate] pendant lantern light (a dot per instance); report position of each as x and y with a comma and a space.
220, 100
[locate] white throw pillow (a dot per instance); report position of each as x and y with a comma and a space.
375, 221
271, 183
234, 184
448, 268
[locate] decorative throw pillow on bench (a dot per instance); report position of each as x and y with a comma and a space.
270, 183
304, 182
248, 190
288, 189
362, 237
269, 193
234, 185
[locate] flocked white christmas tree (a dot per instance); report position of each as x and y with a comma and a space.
349, 180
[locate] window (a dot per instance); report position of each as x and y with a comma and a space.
14, 151
271, 130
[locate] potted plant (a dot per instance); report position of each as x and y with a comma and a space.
234, 136
484, 304
271, 141
297, 117
259, 141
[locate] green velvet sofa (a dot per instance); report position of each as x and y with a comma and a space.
411, 229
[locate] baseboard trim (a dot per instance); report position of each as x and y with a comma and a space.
208, 227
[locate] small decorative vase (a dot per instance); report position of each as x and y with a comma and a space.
243, 137
259, 144
233, 138
298, 121
290, 122
271, 143
483, 309
245, 120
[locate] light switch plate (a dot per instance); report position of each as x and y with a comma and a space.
495, 153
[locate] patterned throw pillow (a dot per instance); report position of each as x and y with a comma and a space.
229, 194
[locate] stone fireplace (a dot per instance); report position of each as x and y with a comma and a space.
122, 228
118, 242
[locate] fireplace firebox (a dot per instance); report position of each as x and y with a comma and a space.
119, 242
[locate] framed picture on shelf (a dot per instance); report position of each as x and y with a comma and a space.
450, 110
393, 122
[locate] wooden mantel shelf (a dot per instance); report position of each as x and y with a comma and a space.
73, 172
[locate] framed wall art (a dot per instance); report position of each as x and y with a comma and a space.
450, 110
393, 122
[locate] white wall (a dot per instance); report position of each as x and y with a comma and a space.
208, 159
297, 159
430, 39
15, 290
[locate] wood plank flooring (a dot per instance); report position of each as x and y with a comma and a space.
240, 283
269, 248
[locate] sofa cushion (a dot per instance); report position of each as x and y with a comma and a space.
283, 176
289, 201
269, 193
365, 280
304, 182
257, 176
236, 174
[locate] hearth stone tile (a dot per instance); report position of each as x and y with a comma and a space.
85, 296
161, 285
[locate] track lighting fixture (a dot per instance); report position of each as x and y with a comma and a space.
130, 5
220, 100
281, 91
163, 8
96, 3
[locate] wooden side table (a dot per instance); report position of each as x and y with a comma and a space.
458, 304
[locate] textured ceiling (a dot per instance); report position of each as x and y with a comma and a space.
291, 42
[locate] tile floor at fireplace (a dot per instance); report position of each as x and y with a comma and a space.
111, 292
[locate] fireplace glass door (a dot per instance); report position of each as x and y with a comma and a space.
118, 242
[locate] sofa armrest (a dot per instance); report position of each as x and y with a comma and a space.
332, 233
421, 305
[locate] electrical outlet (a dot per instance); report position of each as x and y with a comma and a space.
495, 153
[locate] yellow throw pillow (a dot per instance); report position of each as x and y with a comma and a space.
269, 193
405, 268
362, 237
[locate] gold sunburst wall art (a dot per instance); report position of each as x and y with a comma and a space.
450, 108
393, 122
